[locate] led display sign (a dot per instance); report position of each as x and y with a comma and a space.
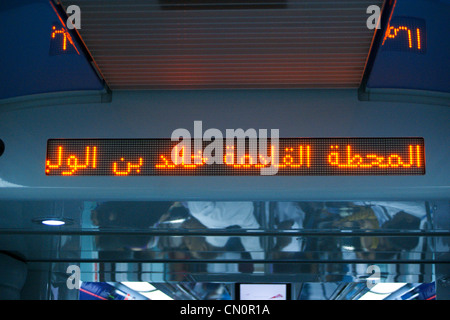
289, 156
61, 42
406, 34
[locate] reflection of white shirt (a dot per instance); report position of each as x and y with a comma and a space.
291, 211
220, 215
224, 214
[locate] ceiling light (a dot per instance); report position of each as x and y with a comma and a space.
53, 222
383, 288
156, 295
381, 291
139, 286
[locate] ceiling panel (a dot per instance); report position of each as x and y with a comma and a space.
298, 44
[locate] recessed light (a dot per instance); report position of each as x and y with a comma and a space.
55, 222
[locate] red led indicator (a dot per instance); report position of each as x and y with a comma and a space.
61, 41
289, 156
405, 34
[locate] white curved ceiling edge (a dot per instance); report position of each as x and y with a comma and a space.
155, 114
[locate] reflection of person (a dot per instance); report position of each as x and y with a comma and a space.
197, 245
221, 215
215, 247
129, 214
388, 216
224, 214
293, 216
172, 219
124, 215
385, 211
290, 216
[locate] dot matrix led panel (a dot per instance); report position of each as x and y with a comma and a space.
406, 34
60, 41
235, 157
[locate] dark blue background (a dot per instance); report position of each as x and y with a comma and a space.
26, 64
418, 71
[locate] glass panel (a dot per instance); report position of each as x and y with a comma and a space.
232, 242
